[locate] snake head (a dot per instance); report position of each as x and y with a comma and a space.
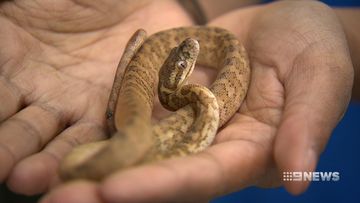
178, 66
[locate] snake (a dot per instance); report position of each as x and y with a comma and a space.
162, 63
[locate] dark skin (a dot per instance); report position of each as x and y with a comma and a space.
56, 69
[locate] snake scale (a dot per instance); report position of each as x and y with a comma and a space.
162, 62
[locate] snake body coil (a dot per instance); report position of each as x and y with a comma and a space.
200, 111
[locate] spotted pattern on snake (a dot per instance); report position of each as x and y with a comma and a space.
136, 141
174, 94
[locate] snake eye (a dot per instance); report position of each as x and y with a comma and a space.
181, 64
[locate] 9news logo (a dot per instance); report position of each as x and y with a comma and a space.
311, 176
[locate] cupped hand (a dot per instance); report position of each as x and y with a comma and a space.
57, 64
300, 87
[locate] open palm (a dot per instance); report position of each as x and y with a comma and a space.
56, 71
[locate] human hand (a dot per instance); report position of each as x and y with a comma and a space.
300, 66
57, 63
300, 87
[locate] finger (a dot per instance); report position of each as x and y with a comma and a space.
26, 133
223, 168
87, 192
10, 99
317, 93
38, 173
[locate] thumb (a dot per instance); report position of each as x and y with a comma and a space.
318, 90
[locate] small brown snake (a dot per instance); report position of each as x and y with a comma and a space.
163, 62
